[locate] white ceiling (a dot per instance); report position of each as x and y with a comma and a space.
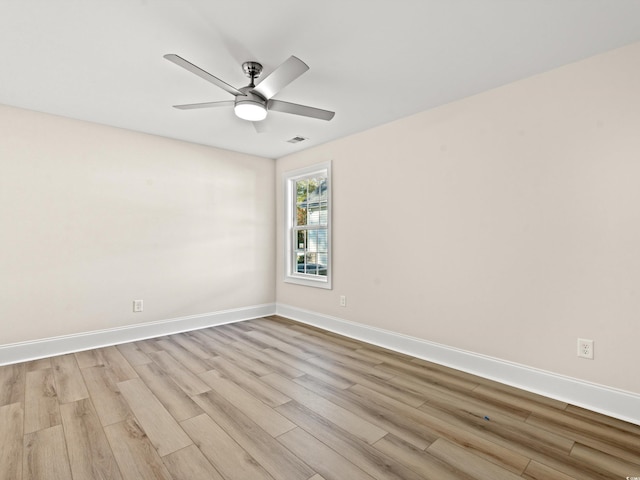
372, 61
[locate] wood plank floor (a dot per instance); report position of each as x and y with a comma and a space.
273, 399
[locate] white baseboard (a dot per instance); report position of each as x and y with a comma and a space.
606, 400
48, 347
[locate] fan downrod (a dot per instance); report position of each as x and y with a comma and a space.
252, 70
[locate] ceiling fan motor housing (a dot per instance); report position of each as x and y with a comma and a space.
252, 70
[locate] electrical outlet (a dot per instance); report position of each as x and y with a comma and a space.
138, 306
585, 348
343, 300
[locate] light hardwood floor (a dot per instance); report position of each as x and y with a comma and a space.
273, 399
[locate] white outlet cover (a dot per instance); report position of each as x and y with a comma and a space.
138, 306
585, 348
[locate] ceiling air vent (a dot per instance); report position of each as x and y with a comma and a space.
297, 139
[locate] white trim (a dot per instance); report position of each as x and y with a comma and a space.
48, 347
599, 398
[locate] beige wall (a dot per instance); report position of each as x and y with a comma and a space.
506, 224
93, 217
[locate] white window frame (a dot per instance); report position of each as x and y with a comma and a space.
291, 274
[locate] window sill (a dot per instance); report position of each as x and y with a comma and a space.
308, 282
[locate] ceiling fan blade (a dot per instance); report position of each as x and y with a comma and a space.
192, 106
282, 76
202, 74
303, 110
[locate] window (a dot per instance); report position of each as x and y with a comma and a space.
308, 226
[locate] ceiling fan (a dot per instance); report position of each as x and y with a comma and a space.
254, 101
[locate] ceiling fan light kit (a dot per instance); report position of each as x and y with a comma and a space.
250, 106
250, 110
254, 101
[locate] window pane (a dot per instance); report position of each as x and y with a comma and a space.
322, 189
322, 213
314, 189
302, 187
312, 263
321, 239
313, 214
312, 245
301, 215
301, 243
317, 189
